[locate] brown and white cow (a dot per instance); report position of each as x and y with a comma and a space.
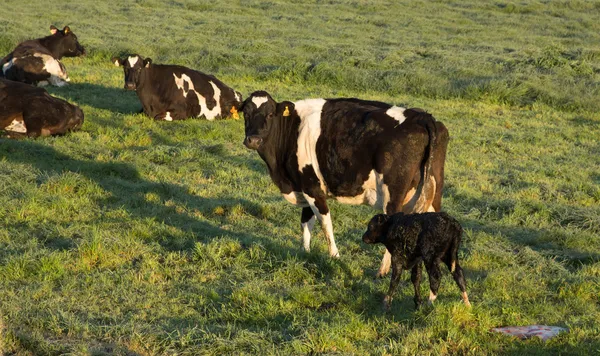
30, 111
38, 62
172, 92
351, 150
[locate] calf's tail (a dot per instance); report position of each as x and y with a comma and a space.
456, 231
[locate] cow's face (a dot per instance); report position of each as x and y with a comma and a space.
68, 45
259, 111
132, 66
376, 229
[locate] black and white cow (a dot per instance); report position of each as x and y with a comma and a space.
355, 151
172, 92
29, 111
37, 61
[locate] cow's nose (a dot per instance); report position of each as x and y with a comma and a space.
253, 142
130, 86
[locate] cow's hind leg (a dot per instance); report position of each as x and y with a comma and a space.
433, 270
415, 277
307, 222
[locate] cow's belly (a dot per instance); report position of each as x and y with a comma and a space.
374, 193
296, 198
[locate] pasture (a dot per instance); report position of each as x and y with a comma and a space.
136, 237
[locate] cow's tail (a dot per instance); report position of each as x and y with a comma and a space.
432, 131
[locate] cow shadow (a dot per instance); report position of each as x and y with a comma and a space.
100, 97
128, 190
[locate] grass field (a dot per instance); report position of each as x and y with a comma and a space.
135, 237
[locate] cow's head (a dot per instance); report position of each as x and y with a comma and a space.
260, 113
65, 43
377, 229
132, 66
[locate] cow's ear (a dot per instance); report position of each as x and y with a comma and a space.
53, 29
117, 61
147, 62
285, 108
66, 30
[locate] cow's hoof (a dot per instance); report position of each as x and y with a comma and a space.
387, 303
380, 274
335, 254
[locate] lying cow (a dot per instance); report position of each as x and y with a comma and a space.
37, 62
356, 151
31, 111
171, 92
411, 239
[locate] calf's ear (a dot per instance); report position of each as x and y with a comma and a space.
382, 219
117, 61
66, 30
147, 62
53, 29
285, 108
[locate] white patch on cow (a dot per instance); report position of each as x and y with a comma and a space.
57, 71
306, 230
16, 126
295, 198
133, 60
168, 116
117, 63
8, 65
214, 112
309, 131
259, 100
397, 113
238, 97
208, 114
432, 297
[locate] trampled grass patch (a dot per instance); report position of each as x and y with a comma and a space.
141, 237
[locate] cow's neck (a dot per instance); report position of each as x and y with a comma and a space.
143, 78
52, 44
278, 148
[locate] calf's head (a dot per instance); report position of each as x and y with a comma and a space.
261, 113
377, 229
132, 66
64, 43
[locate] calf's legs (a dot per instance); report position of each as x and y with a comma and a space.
396, 272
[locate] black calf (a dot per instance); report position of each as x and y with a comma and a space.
427, 237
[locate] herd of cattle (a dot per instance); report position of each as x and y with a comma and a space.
351, 150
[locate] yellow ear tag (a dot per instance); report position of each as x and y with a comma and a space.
234, 113
286, 112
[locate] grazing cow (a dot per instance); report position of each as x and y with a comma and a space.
37, 61
356, 151
31, 111
415, 238
171, 92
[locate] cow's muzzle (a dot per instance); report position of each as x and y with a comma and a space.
130, 86
253, 142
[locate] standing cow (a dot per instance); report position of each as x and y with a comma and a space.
355, 151
37, 61
171, 92
31, 111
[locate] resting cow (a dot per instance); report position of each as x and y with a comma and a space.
37, 61
355, 151
31, 111
171, 92
430, 238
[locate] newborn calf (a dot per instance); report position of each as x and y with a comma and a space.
410, 239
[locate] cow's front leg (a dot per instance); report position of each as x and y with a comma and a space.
321, 210
307, 222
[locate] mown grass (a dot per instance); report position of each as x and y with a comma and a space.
141, 237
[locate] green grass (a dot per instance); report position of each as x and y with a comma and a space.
141, 237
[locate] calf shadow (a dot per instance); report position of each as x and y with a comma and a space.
100, 97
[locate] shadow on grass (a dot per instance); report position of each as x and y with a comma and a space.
100, 97
129, 191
